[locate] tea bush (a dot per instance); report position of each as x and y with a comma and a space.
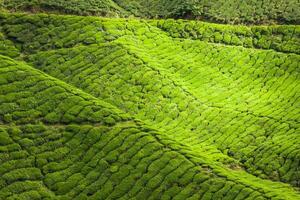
7, 47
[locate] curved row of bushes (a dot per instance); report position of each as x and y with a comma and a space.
30, 31
280, 38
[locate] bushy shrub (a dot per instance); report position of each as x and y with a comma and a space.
52, 117
4, 138
22, 174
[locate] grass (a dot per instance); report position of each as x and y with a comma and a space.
102, 108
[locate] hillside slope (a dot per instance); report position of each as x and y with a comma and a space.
116, 108
44, 154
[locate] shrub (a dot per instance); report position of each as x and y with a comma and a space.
65, 187
5, 138
22, 174
218, 37
52, 117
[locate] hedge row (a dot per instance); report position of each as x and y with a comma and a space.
28, 96
33, 33
36, 33
44, 32
280, 38
88, 162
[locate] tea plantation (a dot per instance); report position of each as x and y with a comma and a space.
135, 108
221, 11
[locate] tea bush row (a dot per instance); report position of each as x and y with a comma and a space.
121, 162
29, 96
33, 33
280, 38
44, 32
86, 168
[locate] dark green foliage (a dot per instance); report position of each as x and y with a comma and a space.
7, 47
222, 11
22, 174
4, 138
81, 7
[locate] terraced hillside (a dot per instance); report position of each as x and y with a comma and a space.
100, 108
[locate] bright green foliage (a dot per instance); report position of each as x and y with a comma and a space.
179, 103
60, 161
135, 109
43, 33
285, 38
28, 97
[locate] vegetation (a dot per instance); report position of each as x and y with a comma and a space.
118, 108
81, 7
7, 47
92, 159
285, 38
222, 11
